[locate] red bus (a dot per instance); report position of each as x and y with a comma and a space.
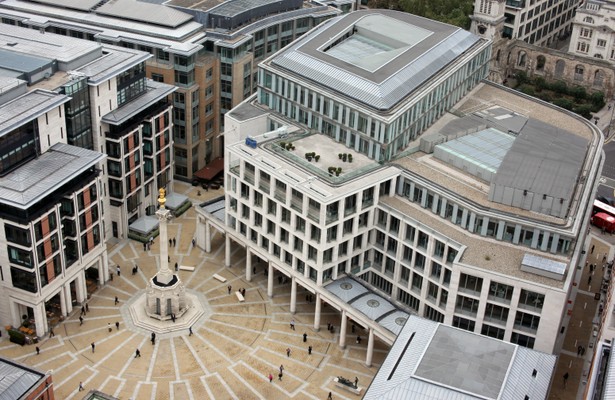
604, 208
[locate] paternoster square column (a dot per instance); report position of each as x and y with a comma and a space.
165, 275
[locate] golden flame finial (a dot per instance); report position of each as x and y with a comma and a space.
161, 199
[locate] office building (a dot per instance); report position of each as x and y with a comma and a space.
368, 157
208, 50
23, 383
539, 22
592, 30
430, 360
87, 145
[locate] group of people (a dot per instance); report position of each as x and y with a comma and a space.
172, 242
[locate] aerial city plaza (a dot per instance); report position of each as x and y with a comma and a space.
381, 222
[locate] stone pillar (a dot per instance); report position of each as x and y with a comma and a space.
248, 265
164, 275
40, 319
293, 295
207, 237
80, 287
343, 328
370, 348
317, 313
270, 281
63, 301
227, 251
103, 269
69, 299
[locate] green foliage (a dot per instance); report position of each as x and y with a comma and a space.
521, 78
584, 110
564, 103
454, 12
540, 83
527, 89
17, 336
546, 96
559, 87
578, 92
183, 208
597, 100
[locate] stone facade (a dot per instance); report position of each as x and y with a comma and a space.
512, 56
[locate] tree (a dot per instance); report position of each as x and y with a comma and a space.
564, 103
454, 12
597, 100
559, 87
578, 92
584, 110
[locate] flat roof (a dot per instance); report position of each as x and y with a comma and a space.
144, 12
48, 46
404, 52
231, 8
83, 5
430, 361
12, 61
114, 61
109, 27
28, 107
16, 380
34, 180
154, 92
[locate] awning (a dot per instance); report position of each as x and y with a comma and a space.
211, 170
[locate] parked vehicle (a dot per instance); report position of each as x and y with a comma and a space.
604, 221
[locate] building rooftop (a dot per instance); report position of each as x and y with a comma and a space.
114, 61
154, 92
82, 5
103, 26
148, 13
434, 361
17, 380
38, 178
484, 98
404, 52
28, 107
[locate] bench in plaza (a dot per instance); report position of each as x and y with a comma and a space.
240, 297
186, 268
220, 278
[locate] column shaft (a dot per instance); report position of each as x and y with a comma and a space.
343, 330
370, 348
248, 265
227, 251
207, 237
270, 281
293, 295
317, 313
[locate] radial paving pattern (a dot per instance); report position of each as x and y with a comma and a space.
231, 352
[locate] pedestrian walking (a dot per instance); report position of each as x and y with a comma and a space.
81, 386
176, 267
118, 270
87, 308
330, 396
280, 376
592, 250
80, 320
582, 351
281, 368
359, 339
174, 242
304, 337
309, 350
579, 348
243, 292
292, 324
288, 352
144, 247
51, 333
173, 317
229, 288
109, 326
329, 326
137, 353
117, 325
565, 379
38, 351
589, 280
116, 300
193, 242
270, 378
190, 331
356, 382
153, 338
170, 242
82, 310
93, 347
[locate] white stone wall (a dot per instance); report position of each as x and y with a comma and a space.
52, 128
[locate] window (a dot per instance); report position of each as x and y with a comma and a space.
470, 284
157, 77
531, 301
466, 305
601, 43
463, 323
492, 331
526, 322
417, 282
500, 292
522, 340
495, 313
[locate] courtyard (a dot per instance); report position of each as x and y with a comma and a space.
232, 351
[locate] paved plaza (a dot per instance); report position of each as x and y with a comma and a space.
232, 351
